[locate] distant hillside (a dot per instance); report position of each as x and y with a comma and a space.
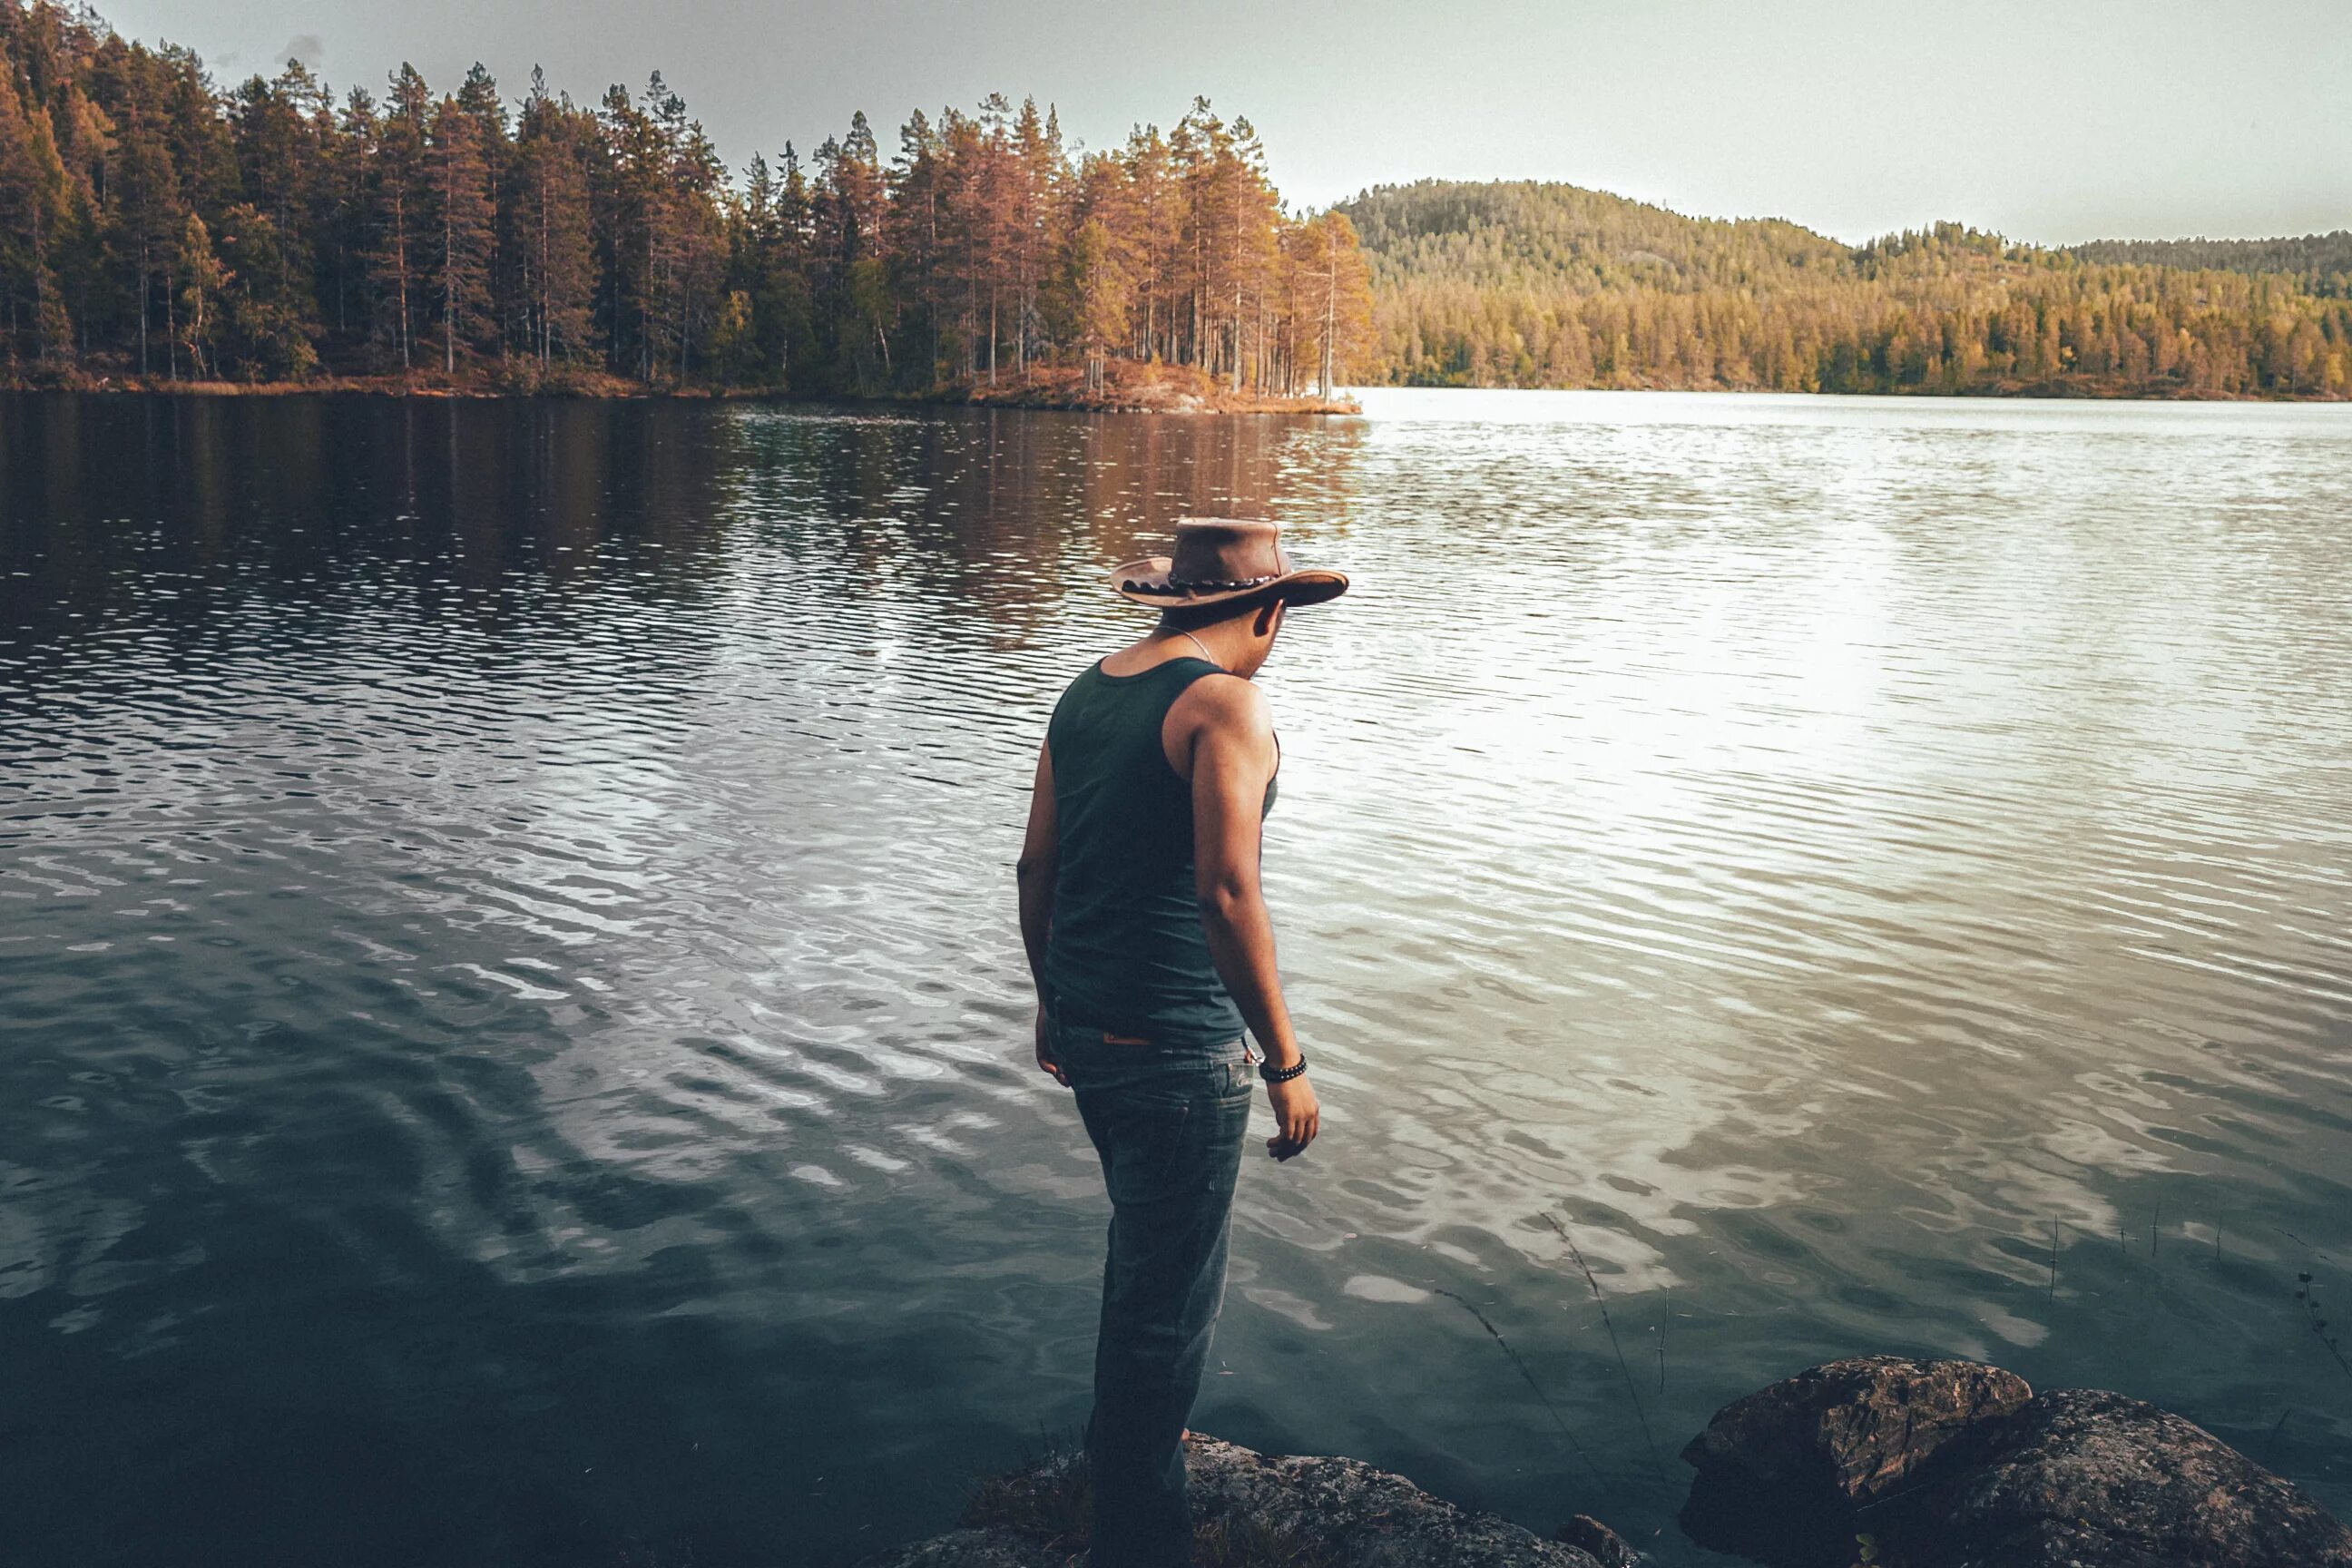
1517, 233
1523, 284
2324, 262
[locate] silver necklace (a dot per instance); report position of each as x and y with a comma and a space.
1205, 655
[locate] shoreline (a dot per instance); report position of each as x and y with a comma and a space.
1147, 390
1130, 389
1886, 1459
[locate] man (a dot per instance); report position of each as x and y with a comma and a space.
1150, 946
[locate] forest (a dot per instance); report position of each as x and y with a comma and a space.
2324, 262
157, 228
1517, 284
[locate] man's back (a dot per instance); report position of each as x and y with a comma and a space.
1127, 954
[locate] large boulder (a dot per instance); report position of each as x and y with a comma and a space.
2085, 1478
1954, 1464
1784, 1474
1247, 1505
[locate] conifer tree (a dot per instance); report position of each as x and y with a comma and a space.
399, 194
464, 220
33, 208
146, 218
554, 270
1155, 237
1332, 289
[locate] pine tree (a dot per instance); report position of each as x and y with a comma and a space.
1093, 296
399, 203
1333, 295
549, 229
463, 222
146, 218
1155, 234
914, 220
33, 208
630, 195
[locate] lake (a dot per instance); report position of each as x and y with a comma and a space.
516, 1050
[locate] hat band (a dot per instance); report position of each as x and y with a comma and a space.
1198, 585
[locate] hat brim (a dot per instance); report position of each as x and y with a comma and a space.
1145, 582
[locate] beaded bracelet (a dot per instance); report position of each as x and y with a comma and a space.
1282, 1075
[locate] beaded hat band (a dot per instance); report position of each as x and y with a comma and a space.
1218, 559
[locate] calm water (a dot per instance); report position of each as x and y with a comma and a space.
516, 1042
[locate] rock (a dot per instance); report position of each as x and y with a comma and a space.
1855, 1428
1598, 1542
2085, 1478
1954, 1465
1364, 1517
1781, 1472
1350, 1514
973, 1549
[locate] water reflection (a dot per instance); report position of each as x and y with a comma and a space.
516, 1037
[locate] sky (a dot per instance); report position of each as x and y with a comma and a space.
2050, 121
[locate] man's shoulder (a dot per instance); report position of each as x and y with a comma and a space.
1224, 701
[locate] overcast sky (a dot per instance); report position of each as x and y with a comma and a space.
2048, 119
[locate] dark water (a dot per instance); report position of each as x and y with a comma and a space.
515, 1038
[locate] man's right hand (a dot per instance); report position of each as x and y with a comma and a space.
1046, 1061
1296, 1116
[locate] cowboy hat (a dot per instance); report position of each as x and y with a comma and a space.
1221, 559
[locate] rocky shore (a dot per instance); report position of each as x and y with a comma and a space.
1878, 1461
1257, 1510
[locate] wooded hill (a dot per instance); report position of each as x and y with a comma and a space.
1520, 284
157, 228
153, 224
2324, 262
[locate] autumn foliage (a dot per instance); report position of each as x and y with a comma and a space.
157, 226
1546, 285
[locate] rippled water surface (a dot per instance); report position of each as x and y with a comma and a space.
516, 1045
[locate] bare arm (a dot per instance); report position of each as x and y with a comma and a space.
1040, 855
1232, 758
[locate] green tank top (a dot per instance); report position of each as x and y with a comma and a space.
1127, 953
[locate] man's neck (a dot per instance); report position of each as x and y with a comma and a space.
1225, 644
1199, 649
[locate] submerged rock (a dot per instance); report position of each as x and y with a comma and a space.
1250, 1507
1956, 1465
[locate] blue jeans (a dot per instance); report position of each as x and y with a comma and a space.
1168, 1124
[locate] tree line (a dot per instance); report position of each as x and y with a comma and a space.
154, 225
1518, 284
2323, 261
